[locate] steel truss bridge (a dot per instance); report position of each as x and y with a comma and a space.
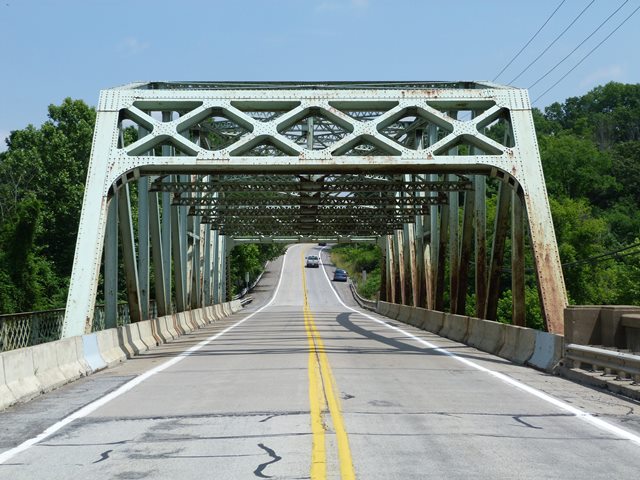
402, 164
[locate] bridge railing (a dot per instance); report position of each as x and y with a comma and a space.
602, 346
18, 330
363, 302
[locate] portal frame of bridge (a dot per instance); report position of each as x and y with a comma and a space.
411, 133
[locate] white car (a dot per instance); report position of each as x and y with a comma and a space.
312, 261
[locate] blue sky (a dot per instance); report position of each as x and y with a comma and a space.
50, 49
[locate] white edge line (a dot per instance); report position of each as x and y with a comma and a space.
587, 417
93, 406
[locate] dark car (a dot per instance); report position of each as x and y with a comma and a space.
339, 275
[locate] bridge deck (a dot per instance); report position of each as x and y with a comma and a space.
312, 382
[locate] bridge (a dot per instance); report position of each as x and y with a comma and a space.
308, 380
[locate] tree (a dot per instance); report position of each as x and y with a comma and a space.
42, 176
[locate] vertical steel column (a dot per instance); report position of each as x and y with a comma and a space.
206, 282
420, 292
217, 267
411, 264
157, 255
227, 294
391, 269
517, 261
442, 258
167, 150
497, 250
165, 235
184, 246
398, 243
480, 223
408, 251
177, 240
195, 265
454, 246
111, 265
143, 244
129, 254
465, 251
431, 261
384, 276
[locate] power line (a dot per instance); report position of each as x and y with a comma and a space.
530, 40
579, 45
587, 55
553, 42
606, 256
603, 257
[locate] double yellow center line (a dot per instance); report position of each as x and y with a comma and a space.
322, 393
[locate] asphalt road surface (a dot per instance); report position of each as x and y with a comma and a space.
303, 384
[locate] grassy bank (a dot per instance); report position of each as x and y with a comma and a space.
356, 257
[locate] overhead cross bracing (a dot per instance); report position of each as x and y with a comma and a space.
402, 164
309, 205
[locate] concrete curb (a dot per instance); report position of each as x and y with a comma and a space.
548, 351
404, 314
486, 335
394, 310
133, 340
6, 396
146, 334
521, 345
109, 347
70, 360
433, 321
19, 374
383, 308
91, 352
45, 367
455, 327
417, 316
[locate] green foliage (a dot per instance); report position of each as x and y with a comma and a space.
42, 176
356, 257
250, 258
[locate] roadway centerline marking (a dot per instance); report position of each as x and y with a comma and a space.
586, 416
324, 383
93, 406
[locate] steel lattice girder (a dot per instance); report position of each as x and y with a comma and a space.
330, 212
311, 201
253, 184
387, 128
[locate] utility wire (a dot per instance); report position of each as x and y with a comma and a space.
603, 257
530, 40
579, 45
587, 55
553, 42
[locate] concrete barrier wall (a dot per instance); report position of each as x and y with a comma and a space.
91, 352
433, 321
6, 395
27, 372
518, 344
455, 327
109, 347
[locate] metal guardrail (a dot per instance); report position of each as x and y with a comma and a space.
248, 289
363, 302
625, 365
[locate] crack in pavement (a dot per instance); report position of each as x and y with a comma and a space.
276, 458
103, 456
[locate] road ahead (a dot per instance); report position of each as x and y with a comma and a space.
307, 386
